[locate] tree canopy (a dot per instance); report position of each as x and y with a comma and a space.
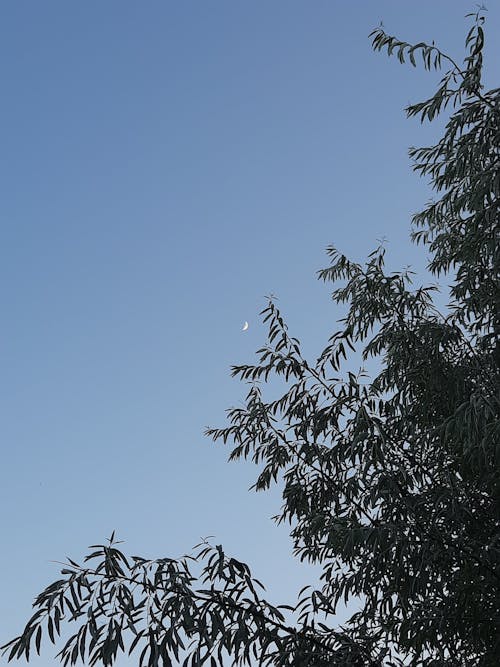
391, 483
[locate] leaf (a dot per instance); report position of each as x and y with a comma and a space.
50, 629
135, 641
38, 639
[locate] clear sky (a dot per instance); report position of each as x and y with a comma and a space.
164, 166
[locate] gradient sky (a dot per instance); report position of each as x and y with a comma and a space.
164, 166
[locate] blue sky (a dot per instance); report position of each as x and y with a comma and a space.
164, 167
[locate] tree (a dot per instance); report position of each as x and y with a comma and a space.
391, 483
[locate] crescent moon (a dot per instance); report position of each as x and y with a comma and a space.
245, 326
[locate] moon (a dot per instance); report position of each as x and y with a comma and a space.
245, 326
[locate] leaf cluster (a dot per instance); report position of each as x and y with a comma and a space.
200, 609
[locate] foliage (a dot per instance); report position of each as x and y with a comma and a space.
392, 483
